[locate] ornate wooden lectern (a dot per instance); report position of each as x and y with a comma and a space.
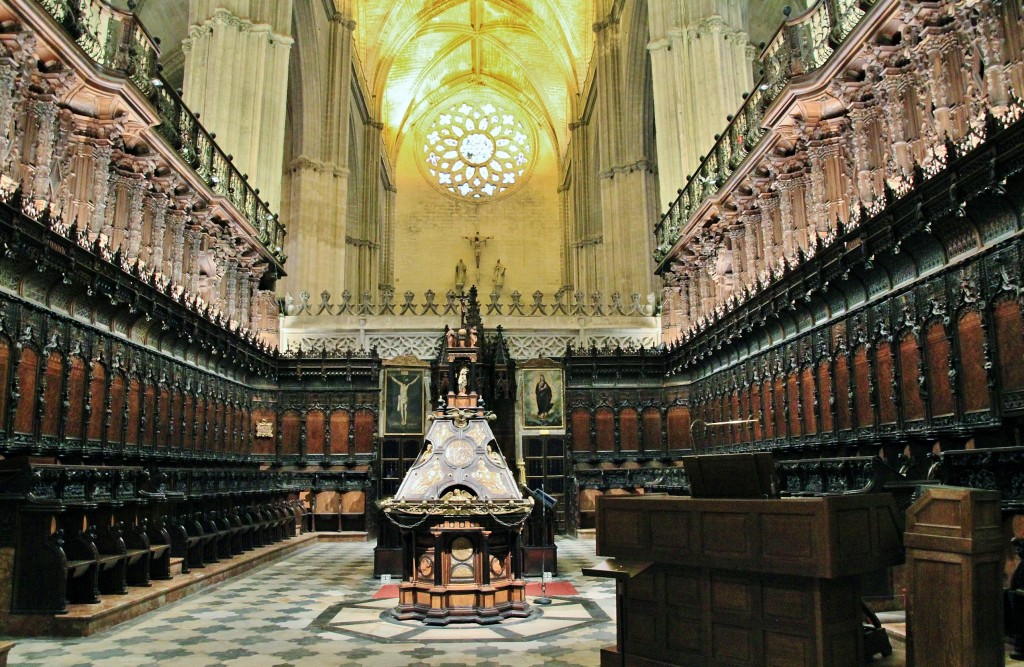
712, 582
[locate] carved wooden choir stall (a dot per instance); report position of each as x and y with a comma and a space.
460, 514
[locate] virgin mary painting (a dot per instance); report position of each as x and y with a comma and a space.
542, 398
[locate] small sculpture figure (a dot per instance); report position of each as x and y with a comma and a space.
463, 380
499, 276
460, 276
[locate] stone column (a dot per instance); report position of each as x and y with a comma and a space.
751, 222
625, 179
315, 192
157, 205
101, 180
195, 242
45, 114
133, 226
236, 77
701, 66
176, 264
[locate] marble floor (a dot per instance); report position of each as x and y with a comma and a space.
316, 607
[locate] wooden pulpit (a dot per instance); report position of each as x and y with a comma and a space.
713, 582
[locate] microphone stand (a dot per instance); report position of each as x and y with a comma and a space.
543, 599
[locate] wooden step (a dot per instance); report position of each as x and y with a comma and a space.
176, 566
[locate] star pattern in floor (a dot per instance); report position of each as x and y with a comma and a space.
316, 607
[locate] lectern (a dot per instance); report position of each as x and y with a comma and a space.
713, 582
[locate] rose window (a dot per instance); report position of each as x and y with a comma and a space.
477, 152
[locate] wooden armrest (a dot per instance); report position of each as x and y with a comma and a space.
77, 568
619, 570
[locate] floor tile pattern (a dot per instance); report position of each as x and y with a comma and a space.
305, 609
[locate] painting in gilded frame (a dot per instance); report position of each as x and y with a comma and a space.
543, 398
403, 401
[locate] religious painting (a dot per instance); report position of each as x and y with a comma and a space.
543, 398
403, 401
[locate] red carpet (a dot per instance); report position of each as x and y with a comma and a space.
532, 590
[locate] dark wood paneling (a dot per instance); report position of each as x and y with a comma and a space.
339, 432
1010, 340
97, 401
291, 422
604, 420
884, 372
629, 436
53, 379
581, 430
973, 377
364, 431
25, 411
315, 422
76, 399
939, 390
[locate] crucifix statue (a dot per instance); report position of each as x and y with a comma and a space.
478, 244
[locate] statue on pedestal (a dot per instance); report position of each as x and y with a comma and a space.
460, 276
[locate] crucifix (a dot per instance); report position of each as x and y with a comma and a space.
478, 244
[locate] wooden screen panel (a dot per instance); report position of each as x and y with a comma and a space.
24, 412
629, 430
778, 403
1010, 343
291, 425
211, 429
679, 427
117, 390
742, 412
973, 379
76, 399
163, 416
5, 371
810, 396
339, 432
844, 417
53, 377
939, 390
364, 431
735, 412
134, 407
245, 435
861, 389
188, 437
231, 428
605, 422
97, 401
149, 411
766, 409
315, 421
824, 394
910, 388
793, 395
176, 434
884, 368
757, 412
581, 430
652, 430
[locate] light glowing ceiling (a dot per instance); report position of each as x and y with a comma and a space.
419, 54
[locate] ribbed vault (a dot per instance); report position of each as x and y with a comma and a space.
418, 54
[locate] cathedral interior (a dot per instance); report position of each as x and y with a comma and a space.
523, 332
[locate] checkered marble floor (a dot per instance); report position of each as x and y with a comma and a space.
316, 608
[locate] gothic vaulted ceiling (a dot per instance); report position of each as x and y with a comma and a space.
419, 54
